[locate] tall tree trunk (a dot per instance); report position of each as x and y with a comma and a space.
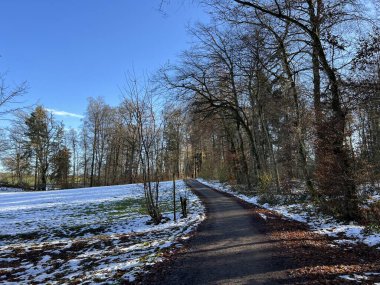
36, 174
243, 157
93, 158
298, 127
332, 137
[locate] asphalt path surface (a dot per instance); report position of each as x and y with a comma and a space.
230, 247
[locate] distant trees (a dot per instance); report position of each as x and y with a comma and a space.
72, 145
61, 167
35, 155
135, 141
96, 123
44, 140
16, 157
10, 97
173, 123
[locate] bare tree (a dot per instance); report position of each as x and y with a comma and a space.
10, 96
139, 101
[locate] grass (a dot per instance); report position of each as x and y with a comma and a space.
90, 219
23, 236
372, 228
128, 206
112, 211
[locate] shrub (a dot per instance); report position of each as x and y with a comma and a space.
265, 189
371, 214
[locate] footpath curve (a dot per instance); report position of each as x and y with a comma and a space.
230, 247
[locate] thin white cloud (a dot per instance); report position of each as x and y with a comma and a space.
64, 113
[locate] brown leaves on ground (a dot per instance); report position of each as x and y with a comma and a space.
317, 259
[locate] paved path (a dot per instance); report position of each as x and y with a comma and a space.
229, 248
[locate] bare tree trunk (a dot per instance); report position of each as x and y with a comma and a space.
293, 91
174, 200
93, 159
36, 174
243, 157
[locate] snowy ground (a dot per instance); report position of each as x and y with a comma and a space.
344, 233
91, 235
8, 189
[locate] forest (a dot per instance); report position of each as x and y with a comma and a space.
272, 96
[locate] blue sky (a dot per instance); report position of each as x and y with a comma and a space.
69, 50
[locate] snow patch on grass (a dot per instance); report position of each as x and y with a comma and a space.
93, 235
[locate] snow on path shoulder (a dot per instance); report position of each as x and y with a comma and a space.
306, 214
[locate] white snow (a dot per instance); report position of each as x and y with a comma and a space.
45, 258
88, 235
263, 216
9, 189
359, 278
307, 214
355, 277
373, 199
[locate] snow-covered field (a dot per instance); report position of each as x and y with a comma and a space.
8, 189
91, 235
344, 233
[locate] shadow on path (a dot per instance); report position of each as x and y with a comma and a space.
230, 247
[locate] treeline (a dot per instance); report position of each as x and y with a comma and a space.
133, 142
286, 91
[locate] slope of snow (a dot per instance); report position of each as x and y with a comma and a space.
91, 235
23, 212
